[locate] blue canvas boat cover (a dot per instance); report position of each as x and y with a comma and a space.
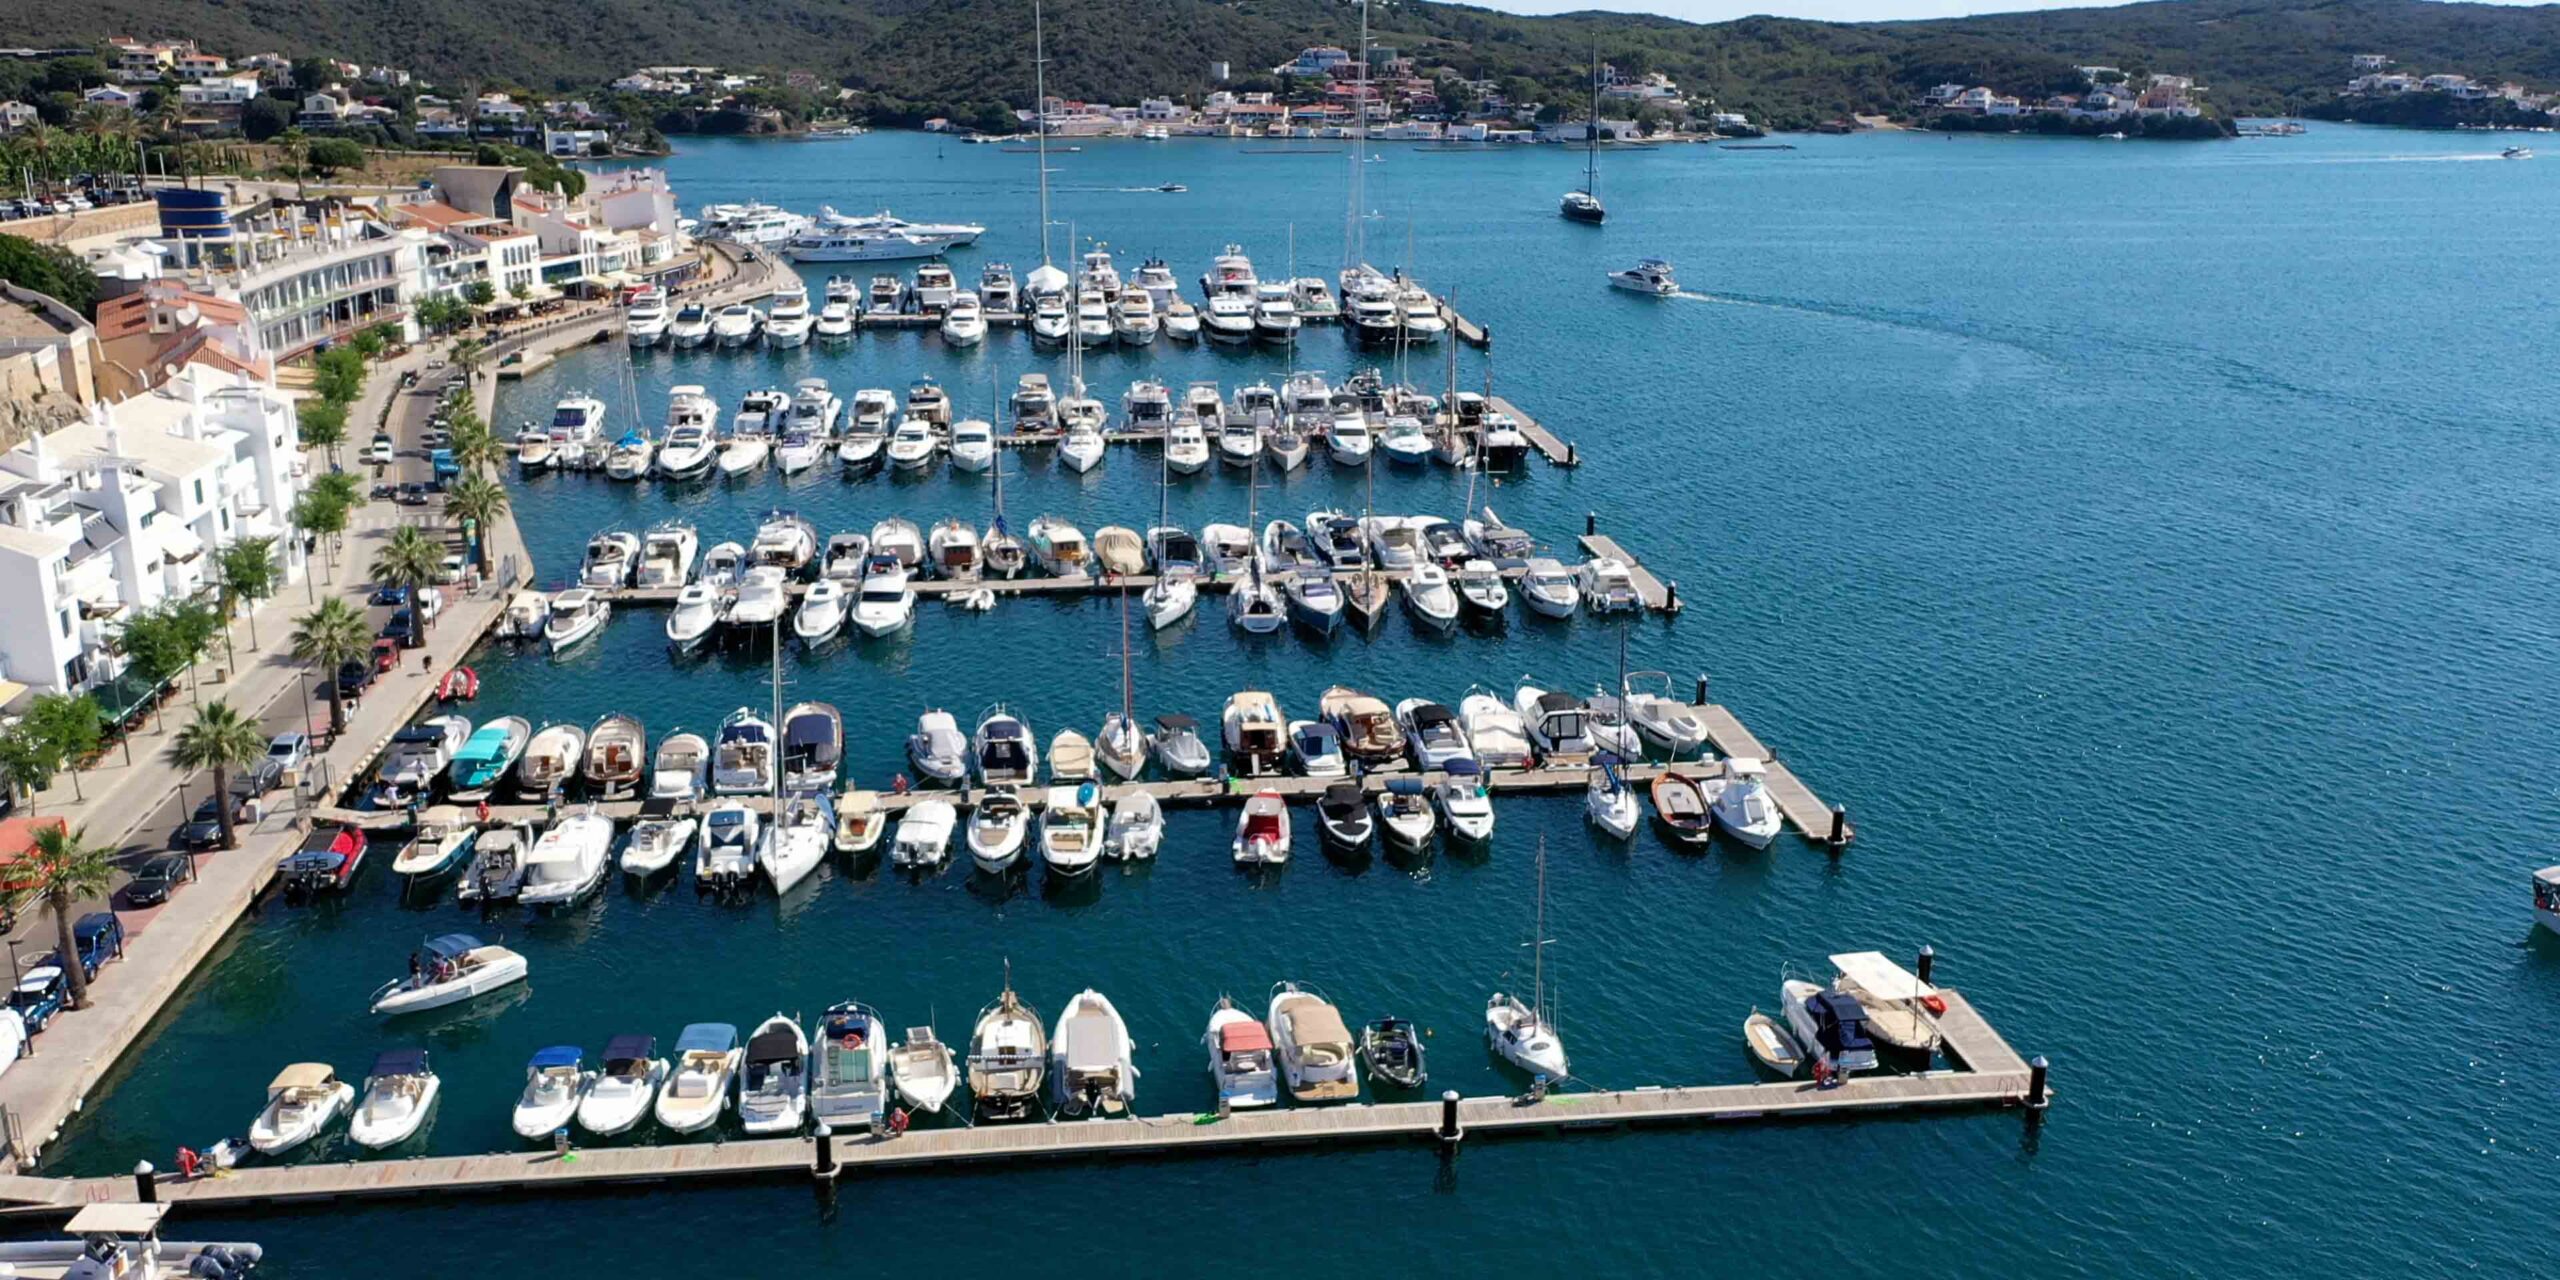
558, 1055
634, 1048
399, 1062
452, 946
707, 1037
1405, 786
1463, 768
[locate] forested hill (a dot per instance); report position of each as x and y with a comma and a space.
2255, 55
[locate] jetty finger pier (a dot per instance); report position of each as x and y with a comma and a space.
1985, 1074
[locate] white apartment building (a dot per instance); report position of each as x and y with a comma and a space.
219, 92
309, 282
119, 513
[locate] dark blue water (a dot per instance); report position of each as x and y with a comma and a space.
2151, 545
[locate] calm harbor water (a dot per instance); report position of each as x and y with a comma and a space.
2149, 544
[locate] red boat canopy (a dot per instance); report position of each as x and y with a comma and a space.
1243, 1037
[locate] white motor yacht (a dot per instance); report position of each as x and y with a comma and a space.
1093, 318
798, 450
834, 322
667, 555
742, 758
301, 1101
1181, 321
1608, 586
1558, 724
912, 446
644, 322
1003, 750
681, 769
938, 749
554, 1083
1651, 277
760, 600
1177, 747
1481, 591
690, 448
1663, 719
1083, 447
1433, 733
789, 322
924, 835
1135, 830
1134, 318
1092, 1067
399, 1093
1550, 589
1403, 441
700, 609
1052, 321
725, 862
1231, 272
1239, 442
1428, 597
1495, 732
773, 1091
1347, 440
1393, 543
997, 291
973, 446
1240, 1058
1186, 446
885, 603
576, 615
998, 827
621, 1093
1317, 1056
1275, 314
934, 287
691, 325
784, 541
965, 323
698, 1085
735, 325
820, 617
1420, 316
568, 861
1741, 805
1228, 317
610, 558
1466, 807
1072, 819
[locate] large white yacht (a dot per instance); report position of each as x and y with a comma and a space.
835, 237
751, 223
645, 323
690, 447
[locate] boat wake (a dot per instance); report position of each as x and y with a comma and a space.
1865, 315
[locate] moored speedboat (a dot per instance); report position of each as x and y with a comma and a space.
725, 863
1830, 1026
1405, 814
773, 1092
1342, 816
849, 1067
1135, 830
621, 1092
924, 1071
860, 821
568, 861
1316, 1054
681, 768
938, 749
812, 745
1092, 1069
1742, 807
301, 1102
699, 610
820, 616
399, 1092
1008, 1058
656, 844
1466, 808
617, 753
1177, 747
555, 1080
1071, 823
742, 761
998, 826
924, 835
697, 1088
1262, 831
1240, 1058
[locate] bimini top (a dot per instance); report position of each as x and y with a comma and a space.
399, 1062
558, 1055
1881, 978
1554, 703
1405, 786
304, 1075
774, 1046
1177, 724
1244, 1037
707, 1037
1462, 768
452, 946
621, 1053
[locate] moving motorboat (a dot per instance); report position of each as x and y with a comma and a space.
1008, 1057
924, 1071
1135, 830
681, 768
1829, 1025
1464, 803
849, 1068
1071, 825
773, 1092
742, 760
301, 1101
697, 1088
398, 1093
555, 1081
569, 860
812, 745
620, 1093
1091, 1067
1742, 806
1651, 277
1240, 1058
924, 835
998, 825
1262, 830
449, 969
1177, 746
1342, 816
798, 838
938, 749
1316, 1053
656, 844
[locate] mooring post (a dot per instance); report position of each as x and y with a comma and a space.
2037, 1070
1671, 596
1569, 459
1702, 688
826, 1164
146, 1184
1590, 523
1928, 961
1449, 1130
1839, 836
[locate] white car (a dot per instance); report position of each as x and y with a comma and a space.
450, 573
381, 453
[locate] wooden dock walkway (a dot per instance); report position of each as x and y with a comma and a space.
1986, 1074
1556, 451
1649, 588
1805, 811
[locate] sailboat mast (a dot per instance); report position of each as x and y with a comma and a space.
1538, 946
1591, 167
1351, 230
777, 709
1040, 119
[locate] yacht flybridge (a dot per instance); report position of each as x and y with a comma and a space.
1651, 276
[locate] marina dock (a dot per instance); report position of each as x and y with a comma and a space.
1985, 1074
1803, 810
1548, 445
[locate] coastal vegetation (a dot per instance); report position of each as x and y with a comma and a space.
970, 60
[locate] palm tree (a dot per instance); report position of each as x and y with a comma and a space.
410, 559
475, 446
220, 739
62, 870
249, 575
480, 501
327, 637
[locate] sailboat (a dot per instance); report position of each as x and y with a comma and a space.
1045, 283
1123, 745
1584, 205
1001, 553
1367, 593
1171, 597
1525, 1034
1008, 1057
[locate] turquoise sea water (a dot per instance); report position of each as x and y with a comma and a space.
2150, 545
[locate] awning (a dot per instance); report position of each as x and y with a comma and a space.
119, 698
181, 543
303, 1075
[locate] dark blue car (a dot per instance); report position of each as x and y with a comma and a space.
41, 994
100, 938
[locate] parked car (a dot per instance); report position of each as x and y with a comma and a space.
403, 628
41, 994
450, 573
257, 780
156, 879
380, 453
386, 654
290, 749
430, 603
100, 938
203, 829
353, 675
389, 595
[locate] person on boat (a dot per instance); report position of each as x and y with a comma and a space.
898, 785
414, 966
483, 811
189, 1163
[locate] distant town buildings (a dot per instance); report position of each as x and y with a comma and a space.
2110, 96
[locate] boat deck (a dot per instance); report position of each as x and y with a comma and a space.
1986, 1073
1656, 596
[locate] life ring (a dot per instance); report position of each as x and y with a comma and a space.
850, 1040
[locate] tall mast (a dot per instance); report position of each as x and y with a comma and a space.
1591, 167
1351, 230
1538, 945
777, 712
1040, 119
